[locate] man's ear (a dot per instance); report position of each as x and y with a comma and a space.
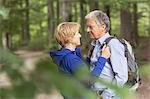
104, 26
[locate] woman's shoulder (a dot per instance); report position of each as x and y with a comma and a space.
72, 56
72, 59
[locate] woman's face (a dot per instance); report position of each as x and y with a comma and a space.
76, 39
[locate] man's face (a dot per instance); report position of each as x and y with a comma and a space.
96, 31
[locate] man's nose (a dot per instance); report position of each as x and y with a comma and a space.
88, 29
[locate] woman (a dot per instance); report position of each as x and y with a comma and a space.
68, 58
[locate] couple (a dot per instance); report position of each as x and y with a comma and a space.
68, 58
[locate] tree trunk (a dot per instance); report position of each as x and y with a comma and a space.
0, 39
65, 9
58, 12
149, 19
26, 34
82, 20
6, 40
93, 5
76, 13
107, 11
2, 2
50, 22
135, 25
126, 24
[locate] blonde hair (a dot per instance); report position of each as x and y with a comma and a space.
65, 31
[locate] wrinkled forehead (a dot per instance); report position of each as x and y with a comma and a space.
91, 22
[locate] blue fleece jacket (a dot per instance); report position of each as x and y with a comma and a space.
69, 61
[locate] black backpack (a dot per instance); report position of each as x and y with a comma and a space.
133, 70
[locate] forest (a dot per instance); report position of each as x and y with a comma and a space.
26, 35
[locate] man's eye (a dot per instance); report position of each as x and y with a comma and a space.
90, 27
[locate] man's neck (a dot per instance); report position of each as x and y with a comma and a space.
100, 36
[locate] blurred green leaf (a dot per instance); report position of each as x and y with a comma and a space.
145, 70
4, 12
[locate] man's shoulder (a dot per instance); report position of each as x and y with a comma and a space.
115, 43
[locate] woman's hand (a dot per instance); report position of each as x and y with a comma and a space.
105, 52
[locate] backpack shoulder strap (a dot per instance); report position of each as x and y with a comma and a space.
108, 39
120, 40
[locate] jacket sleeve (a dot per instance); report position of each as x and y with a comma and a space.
99, 66
118, 62
74, 63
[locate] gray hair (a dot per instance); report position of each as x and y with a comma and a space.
100, 17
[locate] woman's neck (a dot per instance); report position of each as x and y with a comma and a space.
70, 47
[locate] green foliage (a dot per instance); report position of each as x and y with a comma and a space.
4, 12
68, 86
115, 27
72, 86
25, 90
145, 70
16, 42
21, 87
10, 65
46, 77
7, 59
38, 44
12, 15
143, 17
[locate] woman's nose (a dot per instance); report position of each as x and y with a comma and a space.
79, 35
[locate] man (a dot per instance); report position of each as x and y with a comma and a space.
98, 26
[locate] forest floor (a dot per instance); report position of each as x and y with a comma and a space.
31, 57
144, 89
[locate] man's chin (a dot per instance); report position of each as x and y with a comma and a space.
91, 37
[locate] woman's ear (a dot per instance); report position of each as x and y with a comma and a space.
69, 39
